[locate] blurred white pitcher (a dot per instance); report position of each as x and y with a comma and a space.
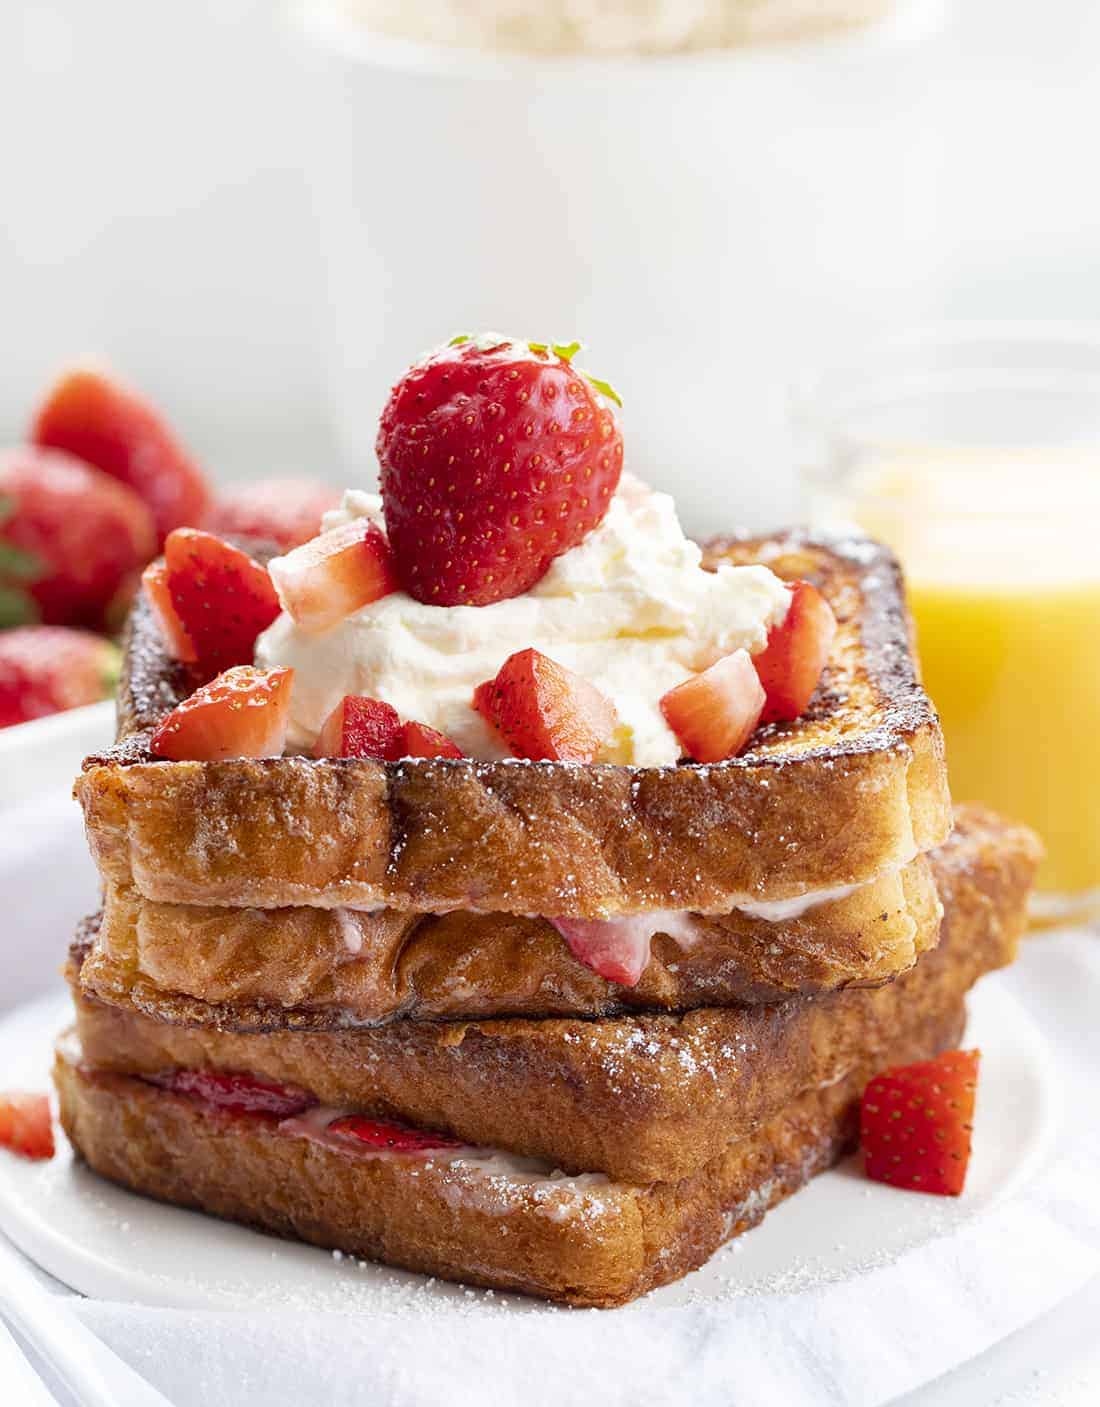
705, 223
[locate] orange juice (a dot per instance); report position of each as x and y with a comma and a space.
1002, 557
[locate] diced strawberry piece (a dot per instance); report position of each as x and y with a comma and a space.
545, 711
482, 701
284, 511
389, 1135
235, 1091
47, 668
791, 662
422, 741
361, 727
618, 949
113, 428
242, 713
25, 1125
496, 457
222, 597
69, 538
714, 713
916, 1123
335, 574
154, 581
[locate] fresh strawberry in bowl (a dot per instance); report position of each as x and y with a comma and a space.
284, 511
496, 457
221, 598
115, 429
47, 669
70, 538
244, 712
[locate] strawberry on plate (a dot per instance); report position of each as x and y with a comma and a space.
25, 1125
46, 669
154, 582
235, 1091
387, 1135
115, 429
361, 727
70, 537
916, 1123
496, 457
222, 597
418, 740
242, 713
790, 664
545, 711
714, 714
285, 511
335, 574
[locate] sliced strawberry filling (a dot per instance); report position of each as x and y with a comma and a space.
618, 949
389, 1135
237, 1092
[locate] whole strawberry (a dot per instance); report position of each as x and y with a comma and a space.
48, 668
70, 539
496, 457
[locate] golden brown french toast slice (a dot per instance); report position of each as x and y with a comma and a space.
477, 1216
314, 968
643, 1098
854, 788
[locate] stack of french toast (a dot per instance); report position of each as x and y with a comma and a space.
540, 933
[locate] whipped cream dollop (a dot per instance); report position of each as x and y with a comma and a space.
630, 609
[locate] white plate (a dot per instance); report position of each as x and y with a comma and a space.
111, 1243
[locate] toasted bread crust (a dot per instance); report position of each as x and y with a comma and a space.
318, 969
622, 1242
854, 788
643, 1098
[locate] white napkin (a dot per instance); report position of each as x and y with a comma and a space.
859, 1342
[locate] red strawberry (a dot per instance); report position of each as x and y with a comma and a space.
714, 713
69, 538
421, 741
389, 1135
545, 711
222, 597
47, 668
361, 727
113, 428
916, 1123
285, 511
241, 713
496, 457
618, 948
335, 574
243, 1094
25, 1125
790, 664
154, 581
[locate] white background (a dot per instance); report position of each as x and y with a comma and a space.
157, 161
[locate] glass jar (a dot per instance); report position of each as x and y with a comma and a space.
974, 451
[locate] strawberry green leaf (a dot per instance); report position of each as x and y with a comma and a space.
458, 341
565, 350
605, 388
18, 564
16, 608
8, 506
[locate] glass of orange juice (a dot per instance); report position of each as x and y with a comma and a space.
974, 451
